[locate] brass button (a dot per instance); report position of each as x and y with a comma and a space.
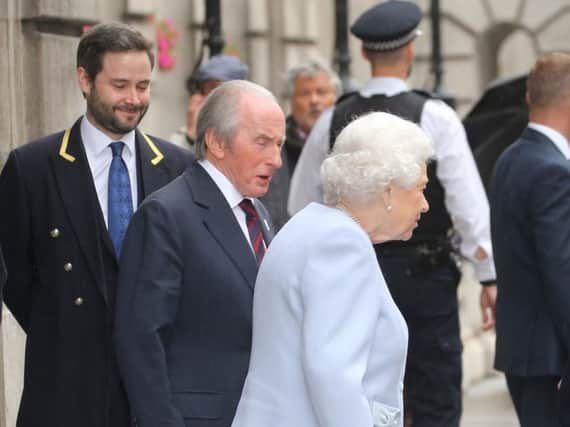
68, 267
78, 301
54, 233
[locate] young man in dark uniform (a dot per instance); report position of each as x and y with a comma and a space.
69, 198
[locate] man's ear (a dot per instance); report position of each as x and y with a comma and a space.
214, 144
84, 81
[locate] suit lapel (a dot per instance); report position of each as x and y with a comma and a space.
77, 191
221, 223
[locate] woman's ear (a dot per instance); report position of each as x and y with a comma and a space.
214, 144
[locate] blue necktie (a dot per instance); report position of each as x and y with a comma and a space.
120, 201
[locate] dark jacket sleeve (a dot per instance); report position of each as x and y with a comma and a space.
149, 284
15, 240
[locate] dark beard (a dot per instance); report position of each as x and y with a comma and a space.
103, 115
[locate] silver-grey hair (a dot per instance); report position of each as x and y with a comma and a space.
370, 153
220, 112
310, 69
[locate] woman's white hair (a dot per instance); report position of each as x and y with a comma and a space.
369, 154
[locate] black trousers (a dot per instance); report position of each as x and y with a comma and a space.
536, 400
428, 302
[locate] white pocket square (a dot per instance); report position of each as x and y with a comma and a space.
385, 415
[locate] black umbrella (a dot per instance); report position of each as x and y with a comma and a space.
496, 120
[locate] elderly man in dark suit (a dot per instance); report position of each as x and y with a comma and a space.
68, 199
189, 265
530, 215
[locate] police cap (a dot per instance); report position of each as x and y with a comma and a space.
388, 26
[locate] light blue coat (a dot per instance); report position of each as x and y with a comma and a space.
329, 344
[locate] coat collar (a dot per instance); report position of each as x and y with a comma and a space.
149, 150
552, 135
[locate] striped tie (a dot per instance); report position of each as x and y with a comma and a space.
254, 228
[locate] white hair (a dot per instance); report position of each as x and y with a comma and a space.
310, 69
369, 154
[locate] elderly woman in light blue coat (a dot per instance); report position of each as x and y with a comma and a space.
329, 344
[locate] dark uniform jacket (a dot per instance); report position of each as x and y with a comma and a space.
62, 276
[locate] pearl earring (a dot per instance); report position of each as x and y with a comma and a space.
389, 208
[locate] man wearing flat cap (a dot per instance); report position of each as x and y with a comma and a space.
420, 273
220, 68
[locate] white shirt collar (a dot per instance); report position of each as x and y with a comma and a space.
230, 192
388, 86
556, 137
95, 141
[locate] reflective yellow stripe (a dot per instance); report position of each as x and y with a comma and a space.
155, 150
63, 147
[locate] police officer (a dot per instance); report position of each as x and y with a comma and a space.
420, 273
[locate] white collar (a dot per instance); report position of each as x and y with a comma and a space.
556, 137
230, 192
388, 86
95, 141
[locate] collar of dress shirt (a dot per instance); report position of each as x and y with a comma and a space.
230, 192
95, 141
556, 137
388, 86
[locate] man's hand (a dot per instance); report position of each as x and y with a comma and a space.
487, 302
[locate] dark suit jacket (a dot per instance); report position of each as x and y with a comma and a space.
62, 275
530, 223
183, 326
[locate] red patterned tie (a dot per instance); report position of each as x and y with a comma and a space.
254, 228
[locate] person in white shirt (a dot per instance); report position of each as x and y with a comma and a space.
420, 273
